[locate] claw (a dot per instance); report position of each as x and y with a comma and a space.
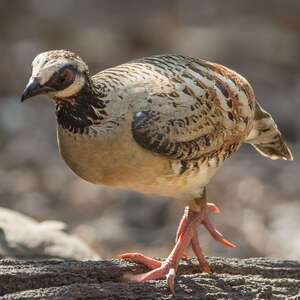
206, 269
126, 255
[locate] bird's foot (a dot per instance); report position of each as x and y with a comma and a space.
159, 270
167, 268
186, 235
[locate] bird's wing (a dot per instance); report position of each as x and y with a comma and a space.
202, 108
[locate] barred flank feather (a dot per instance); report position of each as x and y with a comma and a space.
266, 138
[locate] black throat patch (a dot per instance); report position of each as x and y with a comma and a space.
79, 112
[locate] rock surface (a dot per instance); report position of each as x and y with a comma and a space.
253, 278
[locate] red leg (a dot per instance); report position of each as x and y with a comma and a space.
186, 235
181, 227
180, 230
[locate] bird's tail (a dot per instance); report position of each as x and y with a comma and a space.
266, 138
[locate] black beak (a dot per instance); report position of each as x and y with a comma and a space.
34, 88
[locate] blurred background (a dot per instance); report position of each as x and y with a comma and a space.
259, 198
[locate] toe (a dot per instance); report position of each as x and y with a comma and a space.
212, 207
140, 258
170, 280
215, 233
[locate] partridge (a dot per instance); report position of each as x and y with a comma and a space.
161, 125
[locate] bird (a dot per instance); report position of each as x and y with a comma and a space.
160, 125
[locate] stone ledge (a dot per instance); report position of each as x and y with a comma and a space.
254, 278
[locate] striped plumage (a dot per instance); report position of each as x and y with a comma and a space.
161, 125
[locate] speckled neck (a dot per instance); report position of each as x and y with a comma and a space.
79, 112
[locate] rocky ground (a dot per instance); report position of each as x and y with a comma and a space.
245, 279
258, 198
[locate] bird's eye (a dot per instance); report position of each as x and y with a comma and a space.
64, 77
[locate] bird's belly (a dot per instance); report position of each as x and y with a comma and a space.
121, 162
111, 161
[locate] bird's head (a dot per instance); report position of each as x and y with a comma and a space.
59, 74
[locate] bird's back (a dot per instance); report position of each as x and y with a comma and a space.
185, 108
181, 107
